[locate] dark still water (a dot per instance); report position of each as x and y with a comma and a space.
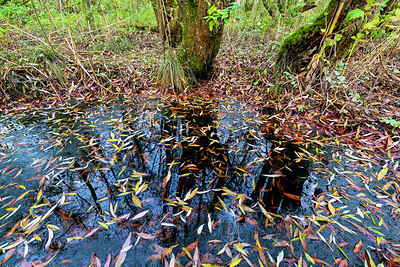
155, 182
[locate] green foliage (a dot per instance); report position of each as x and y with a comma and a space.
336, 78
393, 122
15, 12
216, 15
355, 14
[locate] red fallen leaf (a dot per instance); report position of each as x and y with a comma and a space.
307, 231
292, 196
95, 261
283, 243
251, 221
320, 261
290, 260
192, 246
357, 187
388, 143
362, 230
154, 257
344, 244
358, 247
262, 256
337, 260
7, 256
343, 263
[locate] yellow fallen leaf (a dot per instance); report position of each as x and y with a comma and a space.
331, 208
382, 173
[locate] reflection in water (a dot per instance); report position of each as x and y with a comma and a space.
180, 162
281, 181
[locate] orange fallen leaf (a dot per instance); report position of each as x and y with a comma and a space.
358, 247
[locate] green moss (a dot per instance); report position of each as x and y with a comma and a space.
199, 46
298, 48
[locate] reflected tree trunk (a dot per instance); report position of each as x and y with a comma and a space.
282, 178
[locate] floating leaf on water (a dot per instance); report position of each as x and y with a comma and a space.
200, 229
168, 224
283, 243
192, 194
167, 178
331, 208
358, 247
136, 201
382, 173
146, 236
37, 237
126, 246
279, 258
140, 215
7, 256
14, 210
49, 239
103, 224
235, 262
359, 212
123, 169
293, 196
120, 259
209, 223
53, 227
239, 248
169, 250
309, 258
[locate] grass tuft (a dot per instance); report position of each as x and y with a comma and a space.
172, 74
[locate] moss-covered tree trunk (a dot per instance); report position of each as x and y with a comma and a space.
299, 48
167, 14
199, 45
183, 24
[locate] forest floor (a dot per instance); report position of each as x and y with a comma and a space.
356, 99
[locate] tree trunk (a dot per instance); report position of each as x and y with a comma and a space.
167, 15
299, 48
186, 27
271, 7
199, 45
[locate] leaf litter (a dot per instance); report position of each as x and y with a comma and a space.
193, 182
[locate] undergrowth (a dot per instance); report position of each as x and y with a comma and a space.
112, 47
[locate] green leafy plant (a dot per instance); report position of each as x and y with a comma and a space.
393, 122
355, 14
216, 15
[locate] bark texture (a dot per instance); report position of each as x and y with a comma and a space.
200, 45
184, 25
299, 48
168, 17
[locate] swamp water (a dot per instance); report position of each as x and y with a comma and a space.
155, 182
